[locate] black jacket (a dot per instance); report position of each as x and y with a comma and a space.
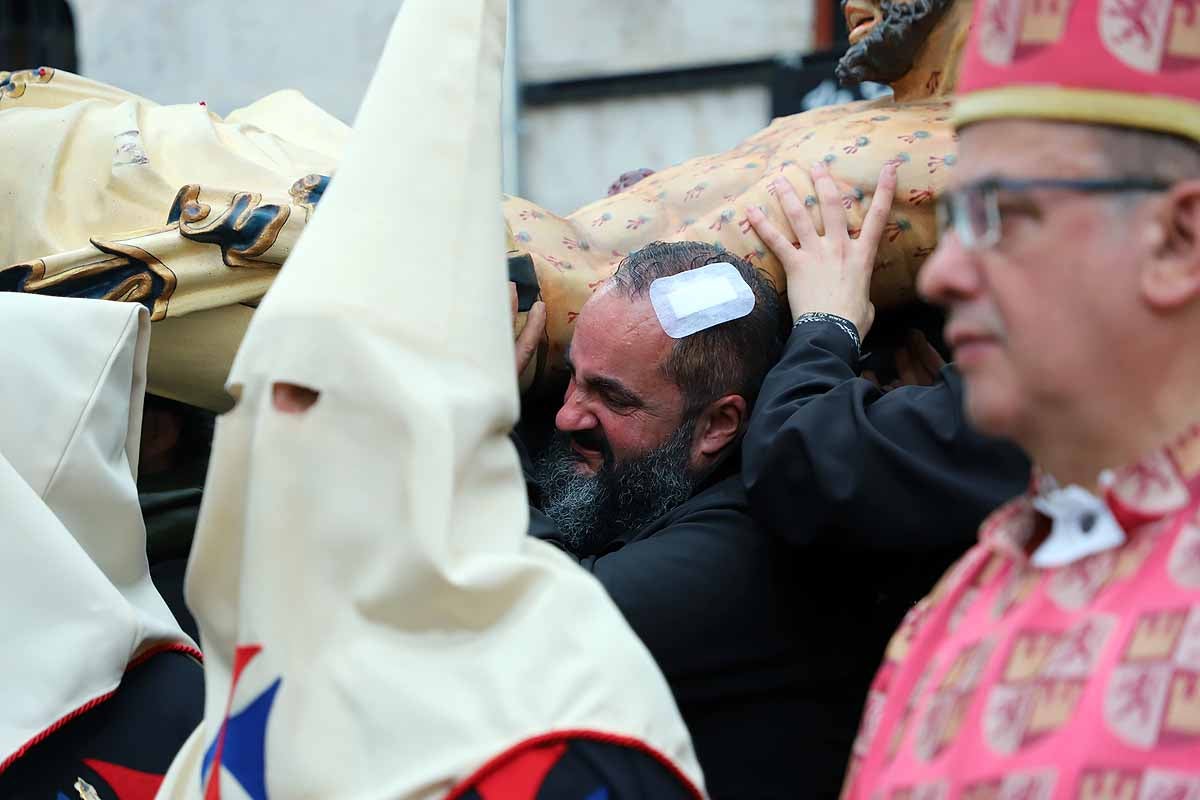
741, 625
885, 491
829, 458
770, 625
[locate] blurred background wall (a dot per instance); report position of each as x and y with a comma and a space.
595, 87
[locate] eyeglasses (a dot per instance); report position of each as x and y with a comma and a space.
972, 212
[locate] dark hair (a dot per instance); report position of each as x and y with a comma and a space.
731, 358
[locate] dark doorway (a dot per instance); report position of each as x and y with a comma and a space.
36, 33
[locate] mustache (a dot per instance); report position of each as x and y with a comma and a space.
592, 439
986, 322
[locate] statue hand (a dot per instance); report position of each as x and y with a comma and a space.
531, 335
828, 273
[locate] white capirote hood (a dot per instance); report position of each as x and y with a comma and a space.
77, 606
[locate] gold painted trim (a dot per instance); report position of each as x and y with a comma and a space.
231, 257
208, 223
266, 240
191, 210
133, 289
243, 218
1149, 111
38, 282
20, 80
170, 282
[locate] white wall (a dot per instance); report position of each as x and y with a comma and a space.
232, 52
571, 153
573, 38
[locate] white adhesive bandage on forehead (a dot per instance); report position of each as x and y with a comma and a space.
701, 298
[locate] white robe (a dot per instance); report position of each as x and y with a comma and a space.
78, 604
376, 623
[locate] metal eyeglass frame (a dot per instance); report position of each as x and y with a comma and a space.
954, 206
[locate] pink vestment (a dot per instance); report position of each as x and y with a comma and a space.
1011, 682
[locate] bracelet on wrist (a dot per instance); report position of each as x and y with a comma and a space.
843, 324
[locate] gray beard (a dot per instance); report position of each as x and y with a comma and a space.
591, 511
886, 54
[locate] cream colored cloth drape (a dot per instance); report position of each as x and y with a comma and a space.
96, 161
75, 592
106, 194
376, 622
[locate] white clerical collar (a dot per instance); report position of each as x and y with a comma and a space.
1082, 524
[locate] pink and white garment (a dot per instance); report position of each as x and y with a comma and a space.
1011, 682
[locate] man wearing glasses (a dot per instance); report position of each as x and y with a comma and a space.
885, 489
1060, 658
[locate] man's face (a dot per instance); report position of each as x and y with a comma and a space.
885, 37
619, 398
1040, 321
622, 454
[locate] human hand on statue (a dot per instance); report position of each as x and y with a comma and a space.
830, 273
917, 363
531, 335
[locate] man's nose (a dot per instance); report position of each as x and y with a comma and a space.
574, 414
951, 273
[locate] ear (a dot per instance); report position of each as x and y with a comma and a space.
719, 426
1170, 278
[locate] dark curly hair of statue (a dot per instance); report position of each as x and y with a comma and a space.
888, 51
731, 358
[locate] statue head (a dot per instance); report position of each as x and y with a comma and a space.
891, 39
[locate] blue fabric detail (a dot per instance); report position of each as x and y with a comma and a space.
244, 754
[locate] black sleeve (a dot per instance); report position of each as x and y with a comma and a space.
828, 454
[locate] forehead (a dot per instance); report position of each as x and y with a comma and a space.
1018, 148
619, 336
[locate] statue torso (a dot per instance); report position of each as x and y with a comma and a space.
705, 199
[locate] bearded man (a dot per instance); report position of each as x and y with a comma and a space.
648, 418
641, 485
1058, 659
